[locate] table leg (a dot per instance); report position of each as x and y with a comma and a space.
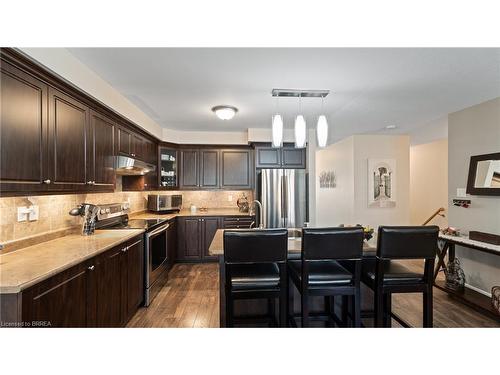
441, 256
222, 293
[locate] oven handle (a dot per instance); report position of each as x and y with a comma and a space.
157, 231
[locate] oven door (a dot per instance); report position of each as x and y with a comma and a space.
156, 253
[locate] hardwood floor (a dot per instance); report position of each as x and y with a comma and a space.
191, 299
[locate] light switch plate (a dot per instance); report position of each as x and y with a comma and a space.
22, 214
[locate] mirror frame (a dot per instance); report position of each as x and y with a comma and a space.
471, 189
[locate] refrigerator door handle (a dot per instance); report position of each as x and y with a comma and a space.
285, 196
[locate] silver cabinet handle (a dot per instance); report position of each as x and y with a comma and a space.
93, 182
91, 268
124, 250
47, 181
89, 182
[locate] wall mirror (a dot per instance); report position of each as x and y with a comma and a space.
484, 175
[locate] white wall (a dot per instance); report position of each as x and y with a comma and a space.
429, 182
430, 132
382, 147
347, 203
335, 206
474, 131
64, 64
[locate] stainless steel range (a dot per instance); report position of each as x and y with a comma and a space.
114, 216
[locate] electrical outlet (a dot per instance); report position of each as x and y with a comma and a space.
33, 215
230, 198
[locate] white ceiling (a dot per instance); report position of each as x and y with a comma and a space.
370, 88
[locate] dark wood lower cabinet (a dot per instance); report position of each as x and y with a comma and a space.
104, 291
61, 301
195, 234
134, 291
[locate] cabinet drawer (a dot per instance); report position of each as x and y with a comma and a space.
238, 222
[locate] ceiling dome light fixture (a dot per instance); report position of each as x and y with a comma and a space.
224, 112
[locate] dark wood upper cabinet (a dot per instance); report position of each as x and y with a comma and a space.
292, 157
101, 164
286, 157
124, 141
23, 128
189, 163
137, 149
268, 157
68, 142
209, 169
236, 169
60, 301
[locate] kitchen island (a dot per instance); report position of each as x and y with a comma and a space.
254, 307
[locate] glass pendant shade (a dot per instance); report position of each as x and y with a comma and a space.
277, 130
322, 131
300, 132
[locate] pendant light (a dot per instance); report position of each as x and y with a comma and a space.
300, 128
322, 129
277, 127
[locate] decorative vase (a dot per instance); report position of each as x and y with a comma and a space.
495, 298
455, 276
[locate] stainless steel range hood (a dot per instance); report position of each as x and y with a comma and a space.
126, 166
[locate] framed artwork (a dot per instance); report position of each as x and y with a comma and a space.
327, 180
381, 182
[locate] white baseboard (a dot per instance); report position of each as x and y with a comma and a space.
478, 290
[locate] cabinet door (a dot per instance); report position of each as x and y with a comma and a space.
209, 227
293, 157
209, 169
101, 163
60, 301
268, 157
68, 136
124, 142
172, 243
189, 246
108, 288
23, 128
189, 169
137, 147
134, 286
237, 169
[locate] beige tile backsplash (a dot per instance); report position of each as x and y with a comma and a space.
54, 208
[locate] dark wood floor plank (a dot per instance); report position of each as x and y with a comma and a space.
191, 299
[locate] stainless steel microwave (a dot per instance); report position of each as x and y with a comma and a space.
164, 202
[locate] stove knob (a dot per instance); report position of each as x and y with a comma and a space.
103, 211
108, 210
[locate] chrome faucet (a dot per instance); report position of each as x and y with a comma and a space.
261, 218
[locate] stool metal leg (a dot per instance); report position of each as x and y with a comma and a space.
387, 310
304, 309
428, 307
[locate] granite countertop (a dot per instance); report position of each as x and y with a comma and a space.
294, 244
465, 240
209, 212
23, 268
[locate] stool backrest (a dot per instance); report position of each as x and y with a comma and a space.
407, 242
255, 246
332, 243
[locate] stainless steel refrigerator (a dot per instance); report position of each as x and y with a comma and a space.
283, 194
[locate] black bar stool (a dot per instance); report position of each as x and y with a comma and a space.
255, 267
319, 273
384, 276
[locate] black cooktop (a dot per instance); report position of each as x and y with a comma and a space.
147, 224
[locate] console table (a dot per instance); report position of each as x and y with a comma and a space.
469, 297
